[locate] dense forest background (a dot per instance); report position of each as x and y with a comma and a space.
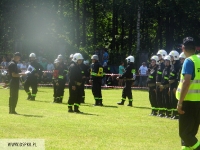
123, 27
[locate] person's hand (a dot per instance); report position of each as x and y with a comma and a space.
174, 90
73, 87
117, 78
90, 81
57, 84
36, 74
179, 108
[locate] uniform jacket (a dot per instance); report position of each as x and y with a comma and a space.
152, 74
97, 71
128, 73
174, 73
165, 75
33, 68
161, 66
75, 74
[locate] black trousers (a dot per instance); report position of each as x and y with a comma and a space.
189, 123
152, 97
173, 100
127, 92
31, 82
159, 98
14, 90
165, 98
74, 95
96, 89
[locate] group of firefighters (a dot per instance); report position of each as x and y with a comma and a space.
164, 76
162, 81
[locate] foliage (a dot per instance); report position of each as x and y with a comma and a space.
84, 25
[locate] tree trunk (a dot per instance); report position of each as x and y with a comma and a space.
94, 23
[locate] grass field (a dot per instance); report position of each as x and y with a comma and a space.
110, 127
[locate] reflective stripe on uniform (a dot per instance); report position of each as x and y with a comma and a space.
60, 77
75, 104
150, 77
172, 74
33, 95
158, 72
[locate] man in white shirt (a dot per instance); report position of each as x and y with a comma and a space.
50, 68
143, 72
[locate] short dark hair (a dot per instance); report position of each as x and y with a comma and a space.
189, 44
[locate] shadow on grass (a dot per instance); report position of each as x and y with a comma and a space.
83, 113
142, 107
25, 115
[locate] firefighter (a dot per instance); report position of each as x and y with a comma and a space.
14, 74
173, 82
61, 80
161, 55
55, 80
75, 81
34, 71
164, 89
128, 77
96, 76
151, 82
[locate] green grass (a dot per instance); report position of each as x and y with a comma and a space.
101, 128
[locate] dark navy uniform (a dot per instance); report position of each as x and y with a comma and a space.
75, 80
151, 82
159, 100
164, 89
61, 80
14, 86
128, 77
97, 74
173, 83
32, 79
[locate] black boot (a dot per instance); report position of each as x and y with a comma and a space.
152, 112
100, 102
29, 96
96, 103
161, 113
32, 98
176, 115
130, 104
121, 103
60, 100
155, 113
76, 109
12, 110
70, 110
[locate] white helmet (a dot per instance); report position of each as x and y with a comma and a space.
95, 57
175, 54
76, 57
71, 56
60, 57
56, 61
32, 55
130, 59
154, 57
167, 58
162, 52
182, 55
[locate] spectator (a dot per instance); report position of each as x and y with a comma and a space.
50, 68
121, 71
44, 63
4, 63
23, 65
143, 71
105, 56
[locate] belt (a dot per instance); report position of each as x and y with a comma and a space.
128, 79
151, 84
78, 83
171, 81
164, 86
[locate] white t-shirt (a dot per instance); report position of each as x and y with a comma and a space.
143, 70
